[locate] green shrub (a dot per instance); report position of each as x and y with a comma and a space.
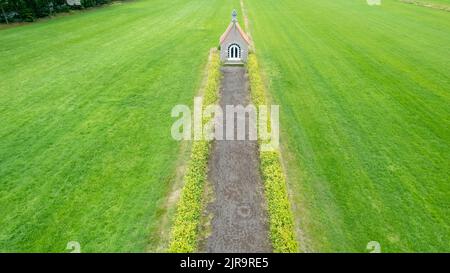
281, 218
281, 221
26, 14
184, 233
63, 8
29, 10
257, 90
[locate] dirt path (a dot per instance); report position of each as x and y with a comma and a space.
239, 222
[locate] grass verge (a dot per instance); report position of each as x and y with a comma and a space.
434, 4
184, 235
280, 215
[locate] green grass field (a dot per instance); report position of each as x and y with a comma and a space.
85, 147
365, 107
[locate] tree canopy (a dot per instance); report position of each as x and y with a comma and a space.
29, 10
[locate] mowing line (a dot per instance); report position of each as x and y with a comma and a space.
281, 219
247, 25
427, 5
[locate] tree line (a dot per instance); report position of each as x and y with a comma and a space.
29, 10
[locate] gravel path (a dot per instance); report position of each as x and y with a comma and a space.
239, 222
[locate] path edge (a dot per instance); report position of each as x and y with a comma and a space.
185, 229
281, 218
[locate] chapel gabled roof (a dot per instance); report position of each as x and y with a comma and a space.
234, 24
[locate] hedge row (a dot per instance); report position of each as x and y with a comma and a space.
184, 234
280, 215
28, 10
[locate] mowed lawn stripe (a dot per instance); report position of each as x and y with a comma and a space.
364, 106
86, 152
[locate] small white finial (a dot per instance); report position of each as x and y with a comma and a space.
234, 16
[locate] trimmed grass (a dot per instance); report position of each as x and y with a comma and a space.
85, 147
364, 104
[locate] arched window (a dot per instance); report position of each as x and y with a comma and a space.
234, 52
